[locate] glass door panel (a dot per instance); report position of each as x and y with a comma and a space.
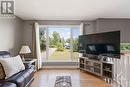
59, 44
75, 42
43, 40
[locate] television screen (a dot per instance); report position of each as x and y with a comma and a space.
95, 49
92, 48
110, 48
99, 43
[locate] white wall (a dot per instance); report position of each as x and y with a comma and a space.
106, 25
27, 33
11, 34
89, 27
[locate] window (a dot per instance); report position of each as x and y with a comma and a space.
59, 43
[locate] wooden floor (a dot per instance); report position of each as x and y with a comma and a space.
47, 77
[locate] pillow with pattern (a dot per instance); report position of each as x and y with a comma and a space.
2, 72
12, 65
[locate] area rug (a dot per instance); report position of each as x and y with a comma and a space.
63, 81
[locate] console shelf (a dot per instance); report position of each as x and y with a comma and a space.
100, 68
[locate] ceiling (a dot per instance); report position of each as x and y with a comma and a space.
71, 9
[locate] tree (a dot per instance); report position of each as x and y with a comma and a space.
63, 41
75, 45
56, 38
60, 47
51, 43
68, 40
42, 40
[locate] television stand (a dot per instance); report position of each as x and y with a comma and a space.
97, 67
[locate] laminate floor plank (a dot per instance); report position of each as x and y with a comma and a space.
47, 78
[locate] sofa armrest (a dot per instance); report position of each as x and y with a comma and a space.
27, 66
33, 67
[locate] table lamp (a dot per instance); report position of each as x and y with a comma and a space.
24, 50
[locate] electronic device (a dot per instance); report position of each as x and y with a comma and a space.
101, 43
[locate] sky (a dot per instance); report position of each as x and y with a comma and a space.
65, 32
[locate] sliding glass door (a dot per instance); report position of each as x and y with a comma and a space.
59, 48
75, 43
43, 42
59, 43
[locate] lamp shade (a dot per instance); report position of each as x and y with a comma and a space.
25, 50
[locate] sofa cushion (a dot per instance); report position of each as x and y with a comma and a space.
22, 78
28, 75
2, 73
7, 84
18, 79
12, 65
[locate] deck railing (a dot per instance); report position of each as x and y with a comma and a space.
122, 71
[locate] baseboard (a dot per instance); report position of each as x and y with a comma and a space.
68, 67
60, 64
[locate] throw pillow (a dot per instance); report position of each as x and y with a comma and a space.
12, 65
2, 73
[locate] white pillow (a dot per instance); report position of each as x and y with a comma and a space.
12, 65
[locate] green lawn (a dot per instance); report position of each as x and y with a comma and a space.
63, 55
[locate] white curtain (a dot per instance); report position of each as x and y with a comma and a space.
81, 28
81, 33
38, 51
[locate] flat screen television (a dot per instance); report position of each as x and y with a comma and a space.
101, 43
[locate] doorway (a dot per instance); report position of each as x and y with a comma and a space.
59, 43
